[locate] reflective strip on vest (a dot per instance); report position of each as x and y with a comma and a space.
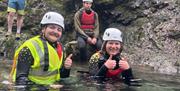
39, 51
40, 71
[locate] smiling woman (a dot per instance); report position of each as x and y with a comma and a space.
40, 60
113, 47
52, 32
109, 63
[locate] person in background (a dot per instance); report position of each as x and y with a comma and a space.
109, 63
41, 59
15, 7
86, 24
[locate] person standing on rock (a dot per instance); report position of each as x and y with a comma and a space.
15, 7
108, 62
86, 24
41, 59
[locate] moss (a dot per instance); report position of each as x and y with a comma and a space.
105, 1
140, 21
57, 4
3, 18
3, 14
125, 11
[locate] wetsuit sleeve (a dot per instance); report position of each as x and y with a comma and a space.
24, 62
102, 72
77, 25
93, 64
96, 29
96, 66
64, 72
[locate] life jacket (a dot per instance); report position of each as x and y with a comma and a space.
87, 20
36, 72
114, 73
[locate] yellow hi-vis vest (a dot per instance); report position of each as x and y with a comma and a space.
36, 73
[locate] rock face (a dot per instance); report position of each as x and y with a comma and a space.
151, 28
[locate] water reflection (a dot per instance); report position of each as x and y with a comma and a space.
81, 81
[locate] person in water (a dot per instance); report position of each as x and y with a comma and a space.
41, 59
108, 62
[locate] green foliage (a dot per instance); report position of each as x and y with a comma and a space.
57, 4
3, 13
105, 1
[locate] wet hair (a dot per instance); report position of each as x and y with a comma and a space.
42, 27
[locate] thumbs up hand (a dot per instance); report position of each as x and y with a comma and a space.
68, 62
123, 64
110, 64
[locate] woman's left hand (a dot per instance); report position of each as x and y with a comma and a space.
124, 64
68, 62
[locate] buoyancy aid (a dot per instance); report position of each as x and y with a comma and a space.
87, 20
113, 73
36, 73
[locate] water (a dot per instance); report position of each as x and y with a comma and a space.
83, 82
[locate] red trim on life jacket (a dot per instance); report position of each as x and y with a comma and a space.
59, 50
112, 73
87, 20
87, 26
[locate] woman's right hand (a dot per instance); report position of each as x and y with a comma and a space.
68, 62
110, 64
89, 40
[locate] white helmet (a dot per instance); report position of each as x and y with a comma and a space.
87, 0
53, 18
112, 34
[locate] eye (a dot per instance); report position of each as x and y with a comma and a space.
117, 43
59, 29
51, 27
55, 27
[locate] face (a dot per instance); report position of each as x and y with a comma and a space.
52, 32
113, 47
87, 5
